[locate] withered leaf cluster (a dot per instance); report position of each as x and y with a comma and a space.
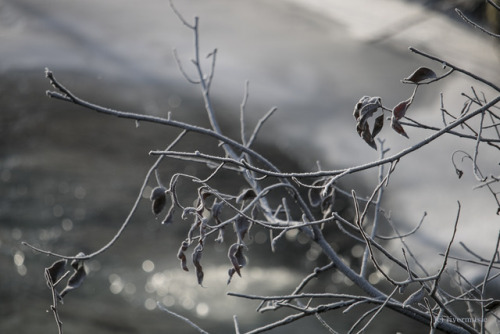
57, 272
198, 232
368, 106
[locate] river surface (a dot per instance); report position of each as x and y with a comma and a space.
69, 176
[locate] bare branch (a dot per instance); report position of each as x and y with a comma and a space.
474, 24
127, 220
259, 125
186, 320
447, 253
242, 114
456, 68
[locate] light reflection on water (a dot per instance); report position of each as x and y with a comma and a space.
19, 262
176, 288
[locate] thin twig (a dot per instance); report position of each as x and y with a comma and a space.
472, 75
273, 171
480, 178
55, 299
186, 320
380, 308
485, 280
379, 190
260, 124
127, 220
242, 114
474, 24
447, 252
405, 235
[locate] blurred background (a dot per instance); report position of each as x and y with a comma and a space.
69, 176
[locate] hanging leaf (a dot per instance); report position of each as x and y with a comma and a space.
181, 256
248, 193
237, 258
55, 271
367, 136
421, 74
159, 198
77, 263
400, 109
197, 252
364, 109
378, 125
398, 127
216, 210
74, 281
241, 227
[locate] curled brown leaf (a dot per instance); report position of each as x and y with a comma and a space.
196, 257
55, 271
159, 198
420, 74
364, 109
378, 125
398, 127
181, 256
74, 281
241, 227
400, 109
237, 258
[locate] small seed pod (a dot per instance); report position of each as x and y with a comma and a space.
159, 198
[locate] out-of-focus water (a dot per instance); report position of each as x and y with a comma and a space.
69, 176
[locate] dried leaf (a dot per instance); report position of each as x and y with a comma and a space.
74, 281
197, 252
55, 271
367, 136
77, 278
400, 109
230, 273
216, 210
398, 127
241, 227
76, 263
378, 125
237, 258
159, 198
181, 256
421, 74
364, 109
158, 192
247, 193
368, 110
